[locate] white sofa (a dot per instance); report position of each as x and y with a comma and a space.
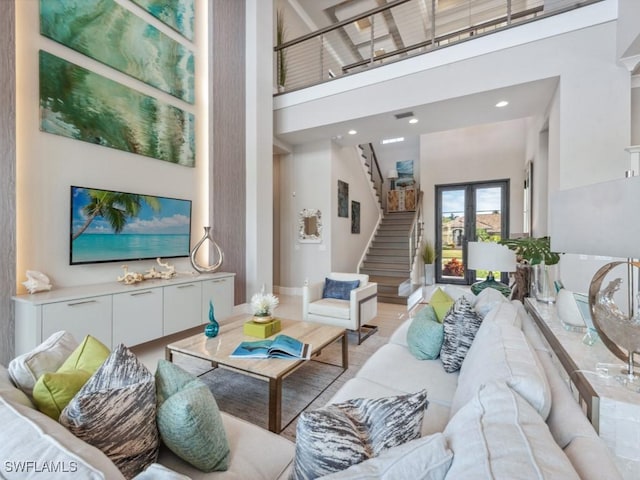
352, 314
564, 438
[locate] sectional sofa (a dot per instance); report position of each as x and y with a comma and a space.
505, 414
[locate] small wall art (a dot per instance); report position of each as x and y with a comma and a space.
178, 14
343, 199
355, 217
80, 104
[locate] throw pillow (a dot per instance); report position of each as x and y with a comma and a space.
460, 326
488, 299
10, 392
115, 411
25, 369
54, 390
188, 419
497, 434
427, 458
425, 335
338, 288
339, 435
441, 303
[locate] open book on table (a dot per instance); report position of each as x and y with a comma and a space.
282, 346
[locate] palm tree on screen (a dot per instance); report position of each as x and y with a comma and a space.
115, 207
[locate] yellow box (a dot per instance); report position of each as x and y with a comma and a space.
261, 330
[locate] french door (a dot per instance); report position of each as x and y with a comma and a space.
465, 213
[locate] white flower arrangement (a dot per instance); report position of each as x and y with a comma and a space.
263, 304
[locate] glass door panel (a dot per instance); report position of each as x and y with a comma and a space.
452, 235
488, 220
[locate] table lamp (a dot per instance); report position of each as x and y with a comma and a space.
492, 257
602, 219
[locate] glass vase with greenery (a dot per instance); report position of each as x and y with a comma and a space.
429, 259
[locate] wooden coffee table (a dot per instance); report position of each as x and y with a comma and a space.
217, 350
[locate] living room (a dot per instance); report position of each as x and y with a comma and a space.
587, 112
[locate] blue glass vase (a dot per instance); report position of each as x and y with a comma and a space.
213, 327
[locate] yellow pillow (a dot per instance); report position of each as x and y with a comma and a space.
54, 390
441, 303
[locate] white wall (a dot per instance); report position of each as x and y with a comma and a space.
348, 248
484, 152
48, 164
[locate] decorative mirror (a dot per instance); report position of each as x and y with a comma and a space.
310, 226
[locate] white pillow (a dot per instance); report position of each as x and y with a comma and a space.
25, 369
488, 299
10, 392
427, 458
499, 435
501, 352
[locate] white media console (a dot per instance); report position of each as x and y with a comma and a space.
116, 313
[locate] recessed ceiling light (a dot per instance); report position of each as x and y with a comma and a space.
502, 103
392, 140
414, 120
352, 132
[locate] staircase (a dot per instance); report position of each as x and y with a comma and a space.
387, 261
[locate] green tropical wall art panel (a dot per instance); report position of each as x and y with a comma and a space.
178, 14
80, 104
113, 35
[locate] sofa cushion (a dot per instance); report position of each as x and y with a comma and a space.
339, 435
497, 434
330, 307
256, 454
25, 369
115, 411
501, 352
425, 334
460, 326
416, 374
487, 300
189, 420
340, 289
426, 458
441, 302
54, 390
156, 471
10, 392
37, 438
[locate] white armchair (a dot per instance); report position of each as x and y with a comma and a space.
352, 314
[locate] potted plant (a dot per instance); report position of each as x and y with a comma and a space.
429, 259
262, 305
281, 32
535, 259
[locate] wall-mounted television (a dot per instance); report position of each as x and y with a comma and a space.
112, 226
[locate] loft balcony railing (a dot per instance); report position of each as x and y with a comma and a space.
398, 30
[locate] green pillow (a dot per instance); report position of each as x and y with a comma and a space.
54, 390
441, 303
425, 335
188, 419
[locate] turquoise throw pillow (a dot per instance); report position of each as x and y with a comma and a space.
425, 335
339, 289
188, 419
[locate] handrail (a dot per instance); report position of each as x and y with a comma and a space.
415, 230
432, 41
335, 26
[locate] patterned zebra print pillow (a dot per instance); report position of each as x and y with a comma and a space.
115, 411
337, 436
460, 326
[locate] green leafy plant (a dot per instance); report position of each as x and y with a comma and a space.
428, 253
532, 250
281, 32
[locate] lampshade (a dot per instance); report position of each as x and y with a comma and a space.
392, 174
491, 256
599, 219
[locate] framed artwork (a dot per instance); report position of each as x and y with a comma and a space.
79, 104
355, 217
129, 44
405, 174
178, 14
343, 199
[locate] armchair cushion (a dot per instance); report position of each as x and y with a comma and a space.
339, 289
330, 307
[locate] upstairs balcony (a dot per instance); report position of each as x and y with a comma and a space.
359, 35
